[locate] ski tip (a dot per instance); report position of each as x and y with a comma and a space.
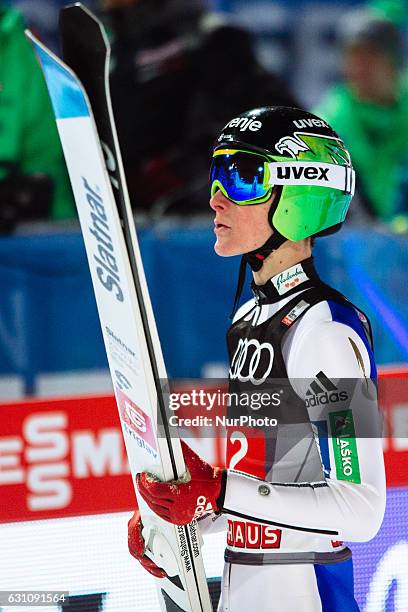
67, 96
77, 7
30, 36
80, 19
80, 11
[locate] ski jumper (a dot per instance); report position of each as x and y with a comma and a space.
295, 492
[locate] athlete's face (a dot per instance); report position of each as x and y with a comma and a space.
239, 229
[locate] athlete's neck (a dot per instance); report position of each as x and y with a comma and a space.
289, 254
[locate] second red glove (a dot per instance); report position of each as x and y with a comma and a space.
137, 546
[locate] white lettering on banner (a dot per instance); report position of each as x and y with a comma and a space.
41, 430
92, 457
11, 471
49, 486
53, 455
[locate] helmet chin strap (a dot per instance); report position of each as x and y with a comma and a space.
255, 259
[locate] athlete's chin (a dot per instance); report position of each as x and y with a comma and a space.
223, 249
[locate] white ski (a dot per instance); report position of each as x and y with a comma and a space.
129, 331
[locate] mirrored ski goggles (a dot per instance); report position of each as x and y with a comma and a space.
248, 178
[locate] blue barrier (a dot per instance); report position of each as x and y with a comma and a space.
49, 323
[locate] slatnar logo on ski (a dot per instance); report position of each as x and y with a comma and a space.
107, 268
324, 391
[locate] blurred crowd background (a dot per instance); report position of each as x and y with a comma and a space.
181, 69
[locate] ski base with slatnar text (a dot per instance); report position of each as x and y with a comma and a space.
79, 92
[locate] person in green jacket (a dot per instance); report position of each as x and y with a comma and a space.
29, 141
370, 113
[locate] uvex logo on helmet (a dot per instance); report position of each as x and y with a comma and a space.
244, 123
298, 172
308, 123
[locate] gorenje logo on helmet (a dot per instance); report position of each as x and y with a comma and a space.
244, 123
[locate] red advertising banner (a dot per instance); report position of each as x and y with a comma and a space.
393, 400
62, 458
66, 457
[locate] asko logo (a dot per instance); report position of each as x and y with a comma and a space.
244, 534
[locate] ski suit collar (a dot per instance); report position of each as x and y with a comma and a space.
298, 277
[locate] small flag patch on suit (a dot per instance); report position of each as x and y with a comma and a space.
295, 313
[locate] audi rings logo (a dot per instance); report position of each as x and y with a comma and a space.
252, 361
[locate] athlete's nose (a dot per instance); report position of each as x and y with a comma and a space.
219, 201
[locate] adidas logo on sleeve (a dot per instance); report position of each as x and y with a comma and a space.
323, 391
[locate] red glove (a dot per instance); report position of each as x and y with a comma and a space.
180, 503
137, 546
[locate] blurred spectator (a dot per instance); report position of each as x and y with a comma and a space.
395, 11
370, 112
33, 178
229, 80
178, 75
